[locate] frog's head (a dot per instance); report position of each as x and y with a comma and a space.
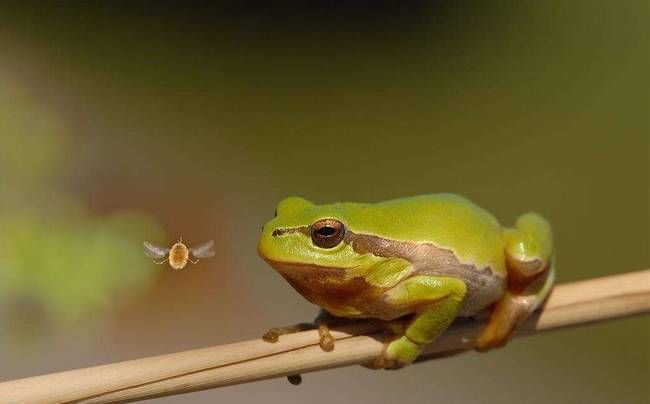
327, 252
304, 236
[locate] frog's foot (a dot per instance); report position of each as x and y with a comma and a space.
512, 310
322, 323
273, 334
397, 353
326, 340
509, 312
530, 278
392, 331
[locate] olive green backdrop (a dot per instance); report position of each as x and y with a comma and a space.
150, 120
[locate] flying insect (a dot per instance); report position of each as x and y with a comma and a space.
178, 255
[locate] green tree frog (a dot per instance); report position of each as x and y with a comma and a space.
418, 261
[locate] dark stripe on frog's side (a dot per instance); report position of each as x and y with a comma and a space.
484, 286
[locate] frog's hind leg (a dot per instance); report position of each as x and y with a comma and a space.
511, 311
529, 262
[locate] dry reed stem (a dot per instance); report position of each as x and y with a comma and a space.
569, 305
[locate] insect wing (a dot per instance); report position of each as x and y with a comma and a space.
205, 250
154, 251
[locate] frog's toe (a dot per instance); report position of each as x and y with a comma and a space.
488, 341
273, 334
402, 352
397, 353
377, 364
509, 312
326, 342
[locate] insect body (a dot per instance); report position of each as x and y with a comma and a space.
179, 254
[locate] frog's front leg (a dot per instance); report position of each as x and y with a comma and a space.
323, 322
435, 301
273, 334
530, 279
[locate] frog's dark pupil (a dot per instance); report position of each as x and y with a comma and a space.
326, 231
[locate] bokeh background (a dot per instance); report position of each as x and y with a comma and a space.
150, 120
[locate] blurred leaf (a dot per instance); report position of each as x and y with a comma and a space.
58, 262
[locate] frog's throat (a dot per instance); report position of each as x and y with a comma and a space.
328, 287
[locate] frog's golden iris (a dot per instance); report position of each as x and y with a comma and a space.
327, 233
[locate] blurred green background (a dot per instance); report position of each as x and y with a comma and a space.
150, 120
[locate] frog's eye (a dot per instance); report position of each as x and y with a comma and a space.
327, 233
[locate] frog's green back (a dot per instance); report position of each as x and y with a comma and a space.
449, 221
